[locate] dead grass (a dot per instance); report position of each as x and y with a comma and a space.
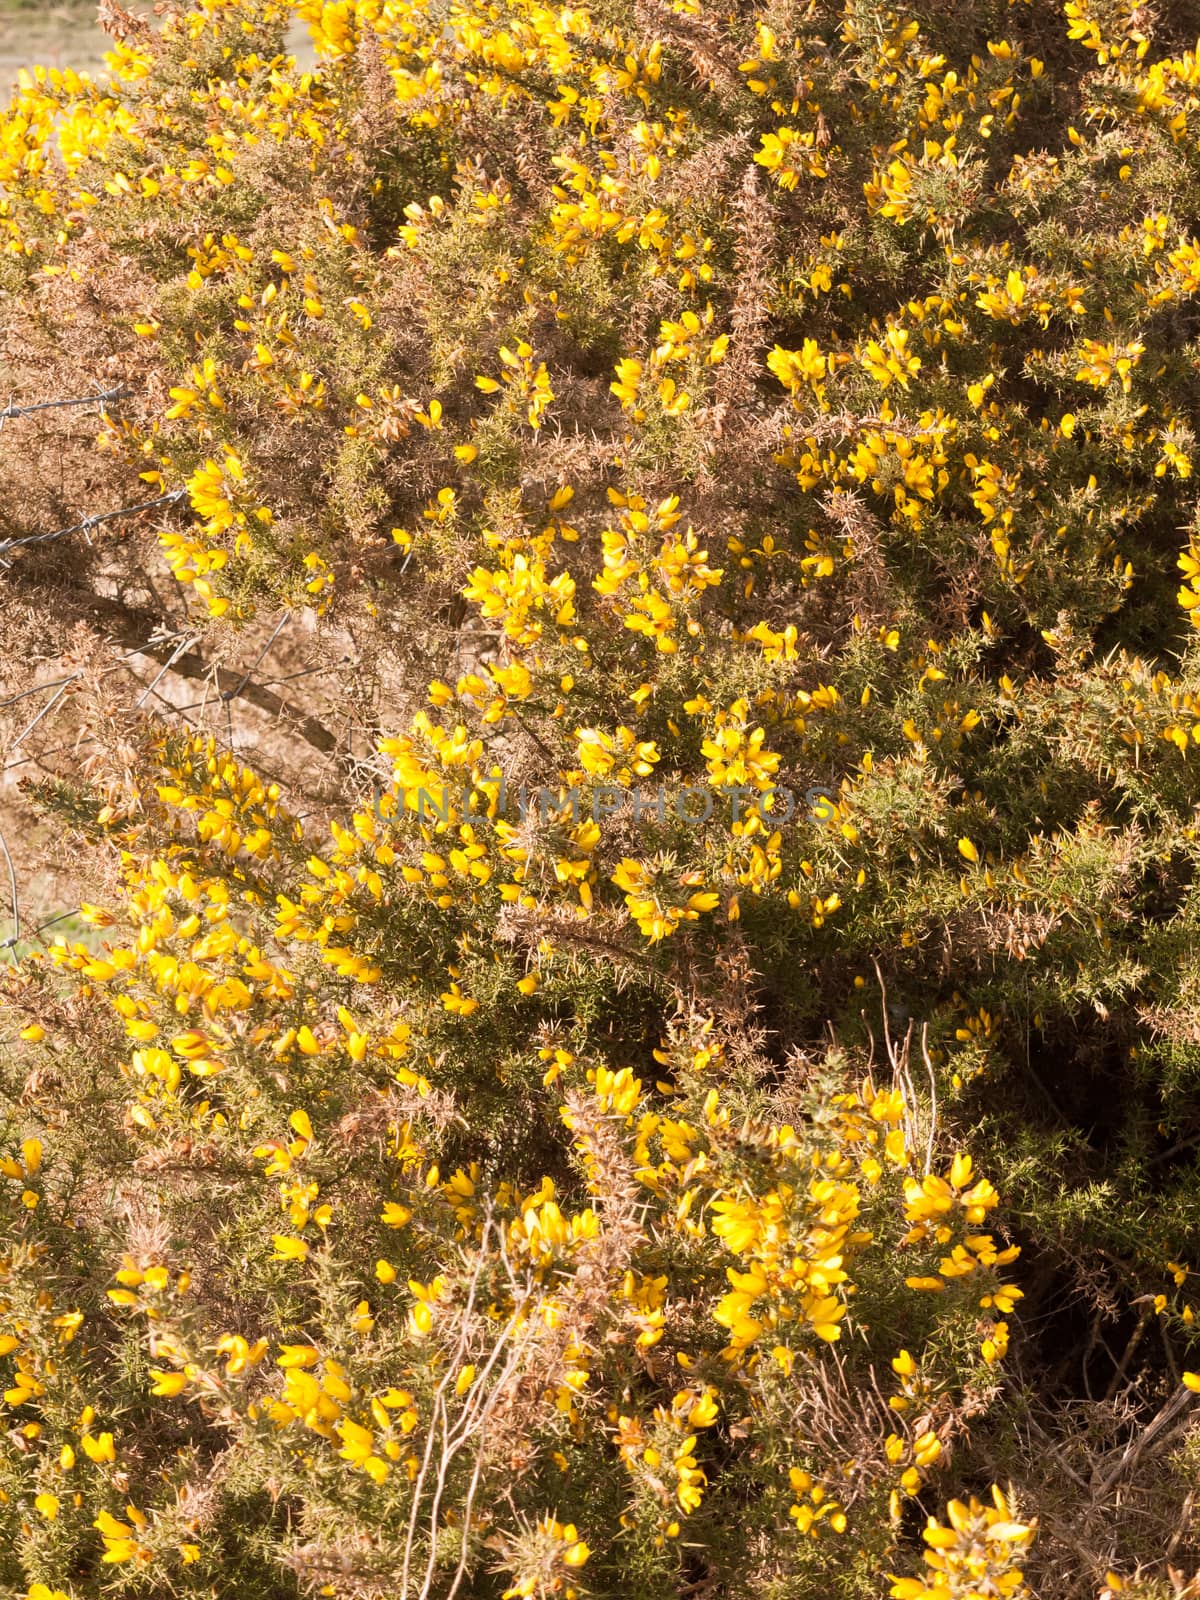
66, 34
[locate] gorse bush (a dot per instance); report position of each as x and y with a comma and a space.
717, 1113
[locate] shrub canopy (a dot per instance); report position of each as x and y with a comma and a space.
721, 1098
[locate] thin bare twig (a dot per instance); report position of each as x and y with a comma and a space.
11, 944
44, 712
192, 705
472, 1425
933, 1108
55, 683
231, 694
1134, 1448
38, 688
439, 1401
188, 640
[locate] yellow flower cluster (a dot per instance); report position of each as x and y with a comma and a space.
974, 1553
